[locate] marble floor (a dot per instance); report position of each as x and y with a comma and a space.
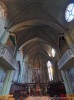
38, 98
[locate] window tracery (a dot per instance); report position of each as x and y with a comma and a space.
69, 13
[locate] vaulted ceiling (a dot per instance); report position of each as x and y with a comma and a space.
37, 25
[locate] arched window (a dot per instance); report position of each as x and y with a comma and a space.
53, 52
69, 13
50, 73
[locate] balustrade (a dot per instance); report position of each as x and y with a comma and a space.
7, 58
66, 60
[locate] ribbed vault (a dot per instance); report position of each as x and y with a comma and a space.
37, 26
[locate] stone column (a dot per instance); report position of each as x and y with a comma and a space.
65, 82
68, 82
65, 75
29, 90
8, 79
55, 74
4, 37
7, 82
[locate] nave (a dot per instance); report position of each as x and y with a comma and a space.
38, 91
36, 49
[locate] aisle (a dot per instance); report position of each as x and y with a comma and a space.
38, 98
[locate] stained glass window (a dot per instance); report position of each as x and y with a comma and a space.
50, 73
53, 52
69, 13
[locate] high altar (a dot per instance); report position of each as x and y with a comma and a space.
38, 90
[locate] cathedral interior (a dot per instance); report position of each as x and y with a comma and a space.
36, 48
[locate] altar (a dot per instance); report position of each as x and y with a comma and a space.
38, 89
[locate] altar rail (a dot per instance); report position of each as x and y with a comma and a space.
7, 58
66, 60
61, 98
49, 98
